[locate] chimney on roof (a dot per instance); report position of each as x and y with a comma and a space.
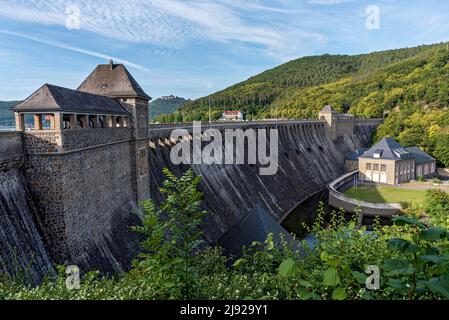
111, 63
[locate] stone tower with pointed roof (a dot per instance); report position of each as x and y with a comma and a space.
86, 165
114, 81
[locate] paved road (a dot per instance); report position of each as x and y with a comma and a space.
415, 186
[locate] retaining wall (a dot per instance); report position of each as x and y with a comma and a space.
339, 201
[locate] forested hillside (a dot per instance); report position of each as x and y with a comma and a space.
411, 85
166, 105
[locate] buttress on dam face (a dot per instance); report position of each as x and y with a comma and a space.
70, 188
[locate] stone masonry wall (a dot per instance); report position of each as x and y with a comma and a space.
11, 150
73, 139
41, 142
43, 175
98, 207
22, 249
83, 138
86, 198
84, 195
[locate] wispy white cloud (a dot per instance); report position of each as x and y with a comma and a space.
330, 2
60, 45
434, 27
173, 23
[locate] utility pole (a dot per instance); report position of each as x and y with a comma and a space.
210, 121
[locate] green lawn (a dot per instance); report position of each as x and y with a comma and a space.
387, 194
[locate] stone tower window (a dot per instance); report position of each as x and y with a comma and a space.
79, 121
101, 121
66, 121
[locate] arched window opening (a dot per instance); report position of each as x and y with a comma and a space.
48, 121
92, 122
79, 121
101, 121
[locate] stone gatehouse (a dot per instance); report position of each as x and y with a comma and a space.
86, 162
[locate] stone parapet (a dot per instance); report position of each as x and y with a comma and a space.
44, 142
84, 138
164, 130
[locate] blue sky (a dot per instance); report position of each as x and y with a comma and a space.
192, 48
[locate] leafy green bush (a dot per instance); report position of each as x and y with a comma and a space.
173, 237
422, 270
405, 204
442, 149
437, 207
413, 259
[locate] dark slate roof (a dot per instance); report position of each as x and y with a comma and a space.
420, 156
389, 150
356, 155
387, 147
254, 227
53, 99
112, 80
345, 115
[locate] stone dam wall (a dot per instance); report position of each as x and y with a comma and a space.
71, 207
23, 253
74, 206
11, 150
85, 200
308, 161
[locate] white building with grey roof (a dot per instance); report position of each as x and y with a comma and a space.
388, 162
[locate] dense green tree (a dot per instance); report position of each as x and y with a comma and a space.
442, 149
172, 236
437, 207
